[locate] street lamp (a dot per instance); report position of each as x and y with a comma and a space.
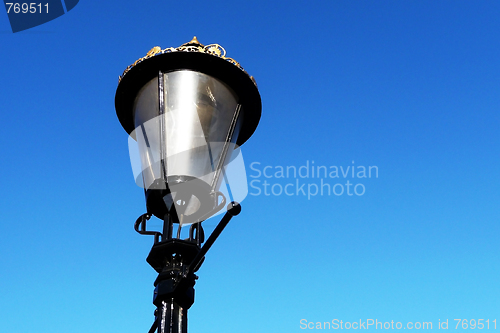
188, 109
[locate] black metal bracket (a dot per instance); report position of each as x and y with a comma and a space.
141, 222
196, 233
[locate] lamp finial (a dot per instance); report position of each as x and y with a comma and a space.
193, 42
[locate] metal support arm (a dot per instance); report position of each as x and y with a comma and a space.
233, 209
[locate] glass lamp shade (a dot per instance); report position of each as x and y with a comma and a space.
187, 124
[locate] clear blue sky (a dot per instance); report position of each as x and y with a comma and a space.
412, 87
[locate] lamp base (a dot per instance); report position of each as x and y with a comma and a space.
176, 261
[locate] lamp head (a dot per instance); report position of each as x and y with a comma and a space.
187, 108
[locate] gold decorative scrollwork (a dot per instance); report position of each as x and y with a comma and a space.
193, 46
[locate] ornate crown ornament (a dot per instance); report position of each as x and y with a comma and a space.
193, 46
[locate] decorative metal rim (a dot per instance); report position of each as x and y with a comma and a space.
146, 69
193, 46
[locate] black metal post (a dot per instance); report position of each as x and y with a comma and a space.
174, 286
172, 318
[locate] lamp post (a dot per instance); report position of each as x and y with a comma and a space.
187, 108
